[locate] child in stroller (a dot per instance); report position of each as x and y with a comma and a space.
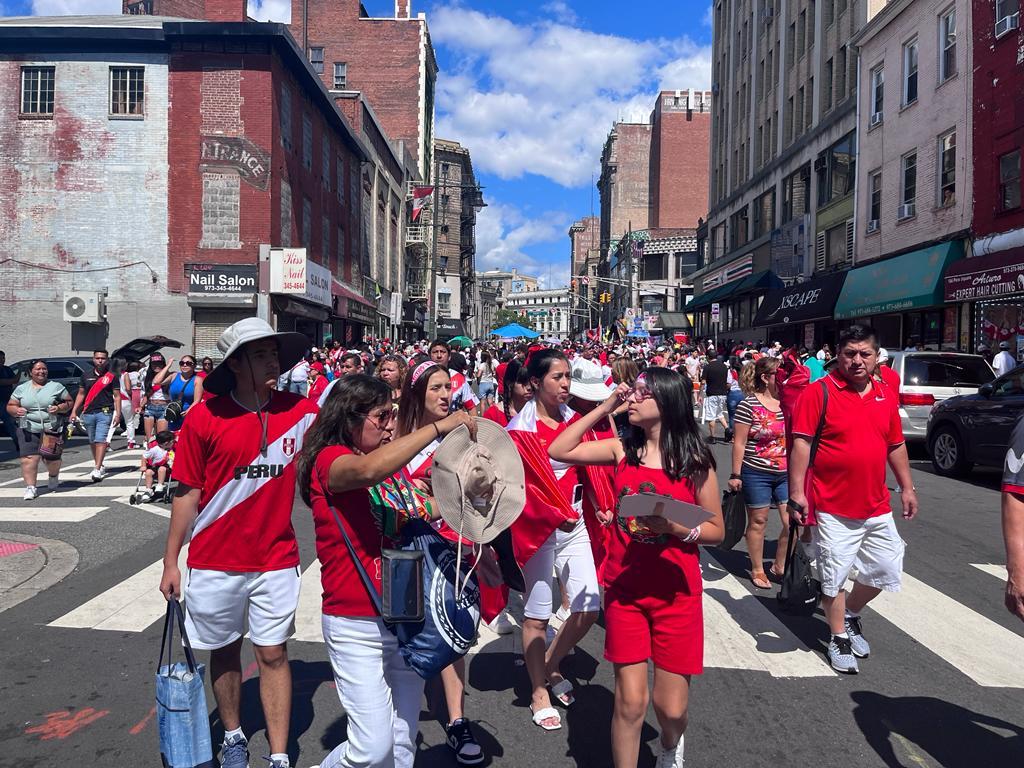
156, 465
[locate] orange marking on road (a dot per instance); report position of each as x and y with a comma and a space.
60, 725
139, 726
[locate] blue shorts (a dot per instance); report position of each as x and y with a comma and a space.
760, 488
97, 424
155, 411
485, 389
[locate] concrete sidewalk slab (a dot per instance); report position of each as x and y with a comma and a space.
30, 564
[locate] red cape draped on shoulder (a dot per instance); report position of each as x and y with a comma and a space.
792, 378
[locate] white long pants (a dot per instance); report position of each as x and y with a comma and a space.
380, 693
129, 417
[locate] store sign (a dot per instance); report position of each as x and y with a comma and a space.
294, 274
222, 278
361, 313
237, 154
986, 277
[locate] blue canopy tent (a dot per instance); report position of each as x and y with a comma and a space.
513, 331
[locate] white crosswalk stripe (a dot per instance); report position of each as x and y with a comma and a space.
39, 514
999, 571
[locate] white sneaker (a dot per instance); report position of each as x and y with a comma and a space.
502, 624
30, 493
52, 483
672, 758
98, 474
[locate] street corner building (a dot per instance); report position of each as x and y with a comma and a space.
175, 173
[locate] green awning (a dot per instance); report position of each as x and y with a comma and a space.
763, 280
909, 281
708, 298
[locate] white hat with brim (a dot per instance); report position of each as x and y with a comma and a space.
290, 348
479, 487
589, 387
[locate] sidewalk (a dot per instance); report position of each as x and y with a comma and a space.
30, 564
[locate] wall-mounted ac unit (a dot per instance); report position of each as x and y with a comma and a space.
1007, 23
872, 226
876, 118
907, 210
84, 307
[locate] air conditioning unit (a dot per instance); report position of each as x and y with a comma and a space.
872, 226
907, 210
876, 118
1007, 23
84, 307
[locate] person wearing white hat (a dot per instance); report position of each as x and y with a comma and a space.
1004, 362
235, 470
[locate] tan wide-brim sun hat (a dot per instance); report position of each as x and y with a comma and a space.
479, 487
290, 347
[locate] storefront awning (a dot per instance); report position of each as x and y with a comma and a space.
449, 328
813, 299
710, 297
986, 277
674, 321
763, 280
909, 281
338, 289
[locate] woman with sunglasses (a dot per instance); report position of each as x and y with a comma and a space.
350, 448
426, 400
154, 396
185, 387
653, 608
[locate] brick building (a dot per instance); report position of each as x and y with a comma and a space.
157, 163
624, 183
584, 255
680, 155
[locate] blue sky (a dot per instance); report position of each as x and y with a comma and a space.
532, 89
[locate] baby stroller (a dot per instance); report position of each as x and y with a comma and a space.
160, 492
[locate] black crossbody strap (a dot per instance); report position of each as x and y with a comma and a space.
821, 423
370, 589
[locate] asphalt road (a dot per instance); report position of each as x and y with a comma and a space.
944, 685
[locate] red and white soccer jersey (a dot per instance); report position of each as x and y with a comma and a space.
245, 508
462, 392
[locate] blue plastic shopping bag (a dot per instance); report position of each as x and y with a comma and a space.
182, 717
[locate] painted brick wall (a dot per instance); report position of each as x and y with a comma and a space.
83, 200
631, 188
680, 158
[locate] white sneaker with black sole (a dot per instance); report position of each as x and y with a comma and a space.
858, 643
98, 474
30, 493
840, 656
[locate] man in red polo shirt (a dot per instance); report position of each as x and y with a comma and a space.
855, 525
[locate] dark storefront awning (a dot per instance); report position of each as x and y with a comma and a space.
710, 297
813, 299
986, 277
448, 328
674, 321
910, 281
763, 280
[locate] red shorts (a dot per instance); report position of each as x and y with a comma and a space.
671, 633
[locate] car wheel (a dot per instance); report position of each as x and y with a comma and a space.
949, 453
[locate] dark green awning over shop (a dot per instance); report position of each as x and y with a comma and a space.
763, 280
909, 281
710, 297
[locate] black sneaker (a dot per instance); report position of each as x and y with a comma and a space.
462, 743
840, 655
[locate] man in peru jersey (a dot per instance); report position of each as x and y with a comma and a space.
236, 484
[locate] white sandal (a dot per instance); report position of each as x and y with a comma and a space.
546, 713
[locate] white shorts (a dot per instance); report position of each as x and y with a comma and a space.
570, 556
714, 408
218, 603
873, 547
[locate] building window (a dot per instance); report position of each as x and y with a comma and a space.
444, 305
325, 163
877, 94
836, 170
1009, 180
37, 90
947, 45
340, 75
947, 168
285, 117
316, 58
794, 195
341, 180
875, 201
826, 87
840, 74
764, 214
908, 185
910, 72
738, 229
127, 90
307, 142
307, 222
1007, 17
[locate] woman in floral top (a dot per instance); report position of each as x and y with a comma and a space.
759, 462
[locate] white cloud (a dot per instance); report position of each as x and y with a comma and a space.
75, 7
503, 233
709, 17
270, 10
540, 98
561, 11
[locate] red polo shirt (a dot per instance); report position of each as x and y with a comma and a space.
849, 469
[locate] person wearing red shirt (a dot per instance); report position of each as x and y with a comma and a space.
236, 484
1013, 521
855, 525
653, 600
516, 383
317, 382
350, 449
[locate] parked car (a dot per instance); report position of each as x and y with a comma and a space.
975, 428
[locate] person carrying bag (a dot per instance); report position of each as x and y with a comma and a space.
183, 721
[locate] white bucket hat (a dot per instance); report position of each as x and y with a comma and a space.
290, 347
480, 487
590, 388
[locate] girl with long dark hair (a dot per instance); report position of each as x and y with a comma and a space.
653, 608
349, 449
517, 388
154, 396
185, 387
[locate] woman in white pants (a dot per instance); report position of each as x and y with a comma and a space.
348, 450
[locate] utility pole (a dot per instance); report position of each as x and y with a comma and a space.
434, 261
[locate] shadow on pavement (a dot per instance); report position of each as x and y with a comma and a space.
951, 735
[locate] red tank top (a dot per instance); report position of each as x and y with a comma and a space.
651, 564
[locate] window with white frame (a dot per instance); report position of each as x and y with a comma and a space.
37, 90
947, 168
127, 91
875, 200
877, 92
340, 75
316, 58
1007, 16
947, 45
1009, 180
908, 179
910, 72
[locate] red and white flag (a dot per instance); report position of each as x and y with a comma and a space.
420, 195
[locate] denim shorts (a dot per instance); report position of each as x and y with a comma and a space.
760, 488
485, 389
155, 411
97, 424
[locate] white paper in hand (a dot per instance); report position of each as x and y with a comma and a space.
684, 513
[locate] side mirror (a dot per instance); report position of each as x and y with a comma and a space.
985, 390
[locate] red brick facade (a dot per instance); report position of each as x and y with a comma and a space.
680, 159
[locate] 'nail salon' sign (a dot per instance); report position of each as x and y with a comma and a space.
293, 273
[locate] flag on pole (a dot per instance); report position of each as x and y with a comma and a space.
420, 195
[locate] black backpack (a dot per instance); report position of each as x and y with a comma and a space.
800, 592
